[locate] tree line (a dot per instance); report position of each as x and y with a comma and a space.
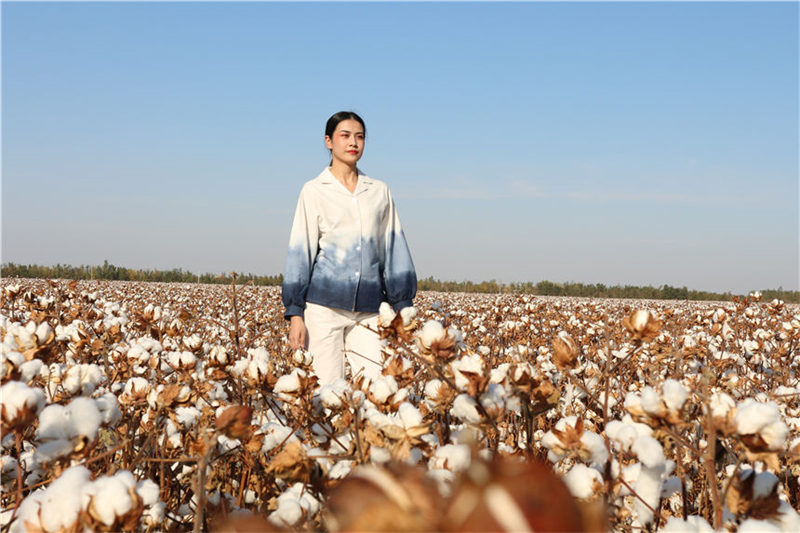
108, 271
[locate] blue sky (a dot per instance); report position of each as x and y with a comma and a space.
620, 143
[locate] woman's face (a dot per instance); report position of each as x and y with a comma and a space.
347, 143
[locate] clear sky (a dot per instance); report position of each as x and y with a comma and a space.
618, 143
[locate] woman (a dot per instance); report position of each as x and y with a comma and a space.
347, 254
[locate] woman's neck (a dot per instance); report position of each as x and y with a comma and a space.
347, 175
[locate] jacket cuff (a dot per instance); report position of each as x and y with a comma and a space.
402, 304
293, 310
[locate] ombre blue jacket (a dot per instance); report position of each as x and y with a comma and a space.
347, 250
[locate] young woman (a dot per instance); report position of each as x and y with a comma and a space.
347, 254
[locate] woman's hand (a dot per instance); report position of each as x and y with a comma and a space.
298, 335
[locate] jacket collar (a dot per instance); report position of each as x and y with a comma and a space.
327, 178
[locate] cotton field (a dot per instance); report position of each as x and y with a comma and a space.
149, 407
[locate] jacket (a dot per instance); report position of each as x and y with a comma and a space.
347, 250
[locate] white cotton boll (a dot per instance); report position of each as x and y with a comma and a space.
675, 394
16, 396
275, 434
432, 388
464, 408
379, 455
340, 470
109, 409
692, 524
83, 378
751, 525
453, 457
499, 373
470, 363
431, 332
788, 518
385, 314
289, 382
136, 385
187, 416
596, 446
443, 479
52, 450
218, 354
762, 418
649, 451
43, 332
720, 403
409, 415
648, 487
494, 399
293, 503
30, 369
632, 401
331, 394
400, 396
240, 367
382, 388
110, 496
650, 401
408, 314
612, 400
581, 481
57, 507
148, 491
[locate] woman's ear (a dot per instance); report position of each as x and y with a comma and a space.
328, 142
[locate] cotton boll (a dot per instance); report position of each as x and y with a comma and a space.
187, 416
470, 363
20, 403
453, 457
385, 314
674, 394
30, 369
290, 382
409, 415
464, 408
110, 497
751, 525
582, 481
431, 331
109, 409
432, 388
649, 451
720, 403
692, 524
382, 388
148, 491
340, 470
596, 446
651, 401
331, 394
408, 314
56, 507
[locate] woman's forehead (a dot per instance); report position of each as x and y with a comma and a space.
350, 125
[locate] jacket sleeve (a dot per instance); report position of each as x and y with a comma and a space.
399, 276
303, 245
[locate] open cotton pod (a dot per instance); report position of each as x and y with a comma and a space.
512, 495
397, 497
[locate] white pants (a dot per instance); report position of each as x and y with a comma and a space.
336, 334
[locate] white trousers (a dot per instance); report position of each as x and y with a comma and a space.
335, 335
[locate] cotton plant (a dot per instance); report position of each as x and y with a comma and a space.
75, 501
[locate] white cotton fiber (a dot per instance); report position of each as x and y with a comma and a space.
464, 408
692, 524
674, 394
581, 480
649, 451
57, 506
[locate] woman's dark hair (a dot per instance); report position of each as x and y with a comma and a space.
336, 118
